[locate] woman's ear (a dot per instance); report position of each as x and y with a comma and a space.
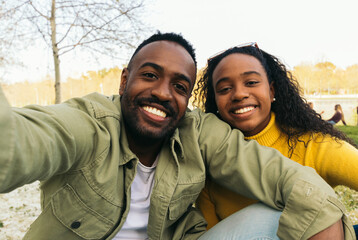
124, 79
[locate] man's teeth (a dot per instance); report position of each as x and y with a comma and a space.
244, 110
155, 111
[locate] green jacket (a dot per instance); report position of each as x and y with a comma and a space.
79, 151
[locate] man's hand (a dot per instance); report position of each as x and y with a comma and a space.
334, 232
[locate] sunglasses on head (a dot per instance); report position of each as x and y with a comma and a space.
250, 44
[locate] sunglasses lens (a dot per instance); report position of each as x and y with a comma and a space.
250, 44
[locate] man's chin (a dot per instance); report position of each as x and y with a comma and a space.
151, 135
157, 135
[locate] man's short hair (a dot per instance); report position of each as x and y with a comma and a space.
172, 37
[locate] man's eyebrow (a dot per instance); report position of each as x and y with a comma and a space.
160, 68
183, 77
153, 65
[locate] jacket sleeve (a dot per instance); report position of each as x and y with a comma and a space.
308, 203
38, 142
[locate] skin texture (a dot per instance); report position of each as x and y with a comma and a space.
155, 92
242, 93
332, 233
240, 84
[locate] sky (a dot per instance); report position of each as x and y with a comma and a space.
295, 31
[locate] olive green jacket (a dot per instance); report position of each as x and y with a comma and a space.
79, 151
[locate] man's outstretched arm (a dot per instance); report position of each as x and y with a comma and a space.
37, 142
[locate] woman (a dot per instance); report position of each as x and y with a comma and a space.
252, 90
338, 115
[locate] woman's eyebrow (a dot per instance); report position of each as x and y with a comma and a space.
250, 72
221, 80
241, 74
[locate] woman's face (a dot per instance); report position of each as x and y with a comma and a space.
242, 93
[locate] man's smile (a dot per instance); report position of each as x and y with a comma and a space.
154, 111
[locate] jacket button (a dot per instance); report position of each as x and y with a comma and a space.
75, 225
130, 165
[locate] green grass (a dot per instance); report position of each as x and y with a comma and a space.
351, 131
349, 197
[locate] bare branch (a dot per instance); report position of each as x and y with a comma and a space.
68, 30
103, 27
38, 11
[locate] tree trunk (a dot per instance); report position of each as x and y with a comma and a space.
55, 53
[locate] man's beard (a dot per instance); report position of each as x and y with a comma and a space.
139, 132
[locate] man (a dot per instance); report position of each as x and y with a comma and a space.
130, 167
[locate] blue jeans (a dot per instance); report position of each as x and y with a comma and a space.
255, 222
356, 230
331, 122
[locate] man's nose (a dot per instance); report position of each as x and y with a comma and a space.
162, 90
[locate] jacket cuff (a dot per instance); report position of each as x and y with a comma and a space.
310, 210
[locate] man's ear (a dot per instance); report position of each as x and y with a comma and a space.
124, 79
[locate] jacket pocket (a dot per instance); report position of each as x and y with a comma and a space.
77, 217
183, 198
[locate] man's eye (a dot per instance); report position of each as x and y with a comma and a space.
150, 75
180, 87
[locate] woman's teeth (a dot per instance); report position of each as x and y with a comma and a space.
244, 110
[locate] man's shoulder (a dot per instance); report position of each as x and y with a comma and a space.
98, 104
198, 118
193, 115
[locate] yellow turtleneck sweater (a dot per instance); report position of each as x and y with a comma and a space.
336, 162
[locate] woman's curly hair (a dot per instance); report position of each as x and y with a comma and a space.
293, 115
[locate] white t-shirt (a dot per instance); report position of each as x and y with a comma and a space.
135, 226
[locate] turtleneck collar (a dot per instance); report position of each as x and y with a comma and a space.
269, 135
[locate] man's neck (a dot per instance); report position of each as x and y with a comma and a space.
146, 150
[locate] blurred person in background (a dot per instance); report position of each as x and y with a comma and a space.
337, 116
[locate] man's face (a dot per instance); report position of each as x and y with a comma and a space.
156, 89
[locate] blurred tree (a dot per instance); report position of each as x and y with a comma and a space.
351, 75
5, 43
305, 76
326, 78
101, 26
325, 74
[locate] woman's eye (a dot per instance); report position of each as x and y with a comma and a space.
251, 83
224, 90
